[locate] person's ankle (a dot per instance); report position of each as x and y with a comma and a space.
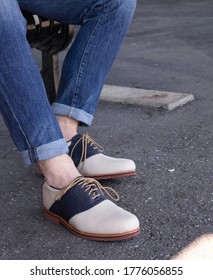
59, 171
68, 126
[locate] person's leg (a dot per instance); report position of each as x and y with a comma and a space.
103, 26
86, 66
78, 203
23, 102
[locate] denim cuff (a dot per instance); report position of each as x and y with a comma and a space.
45, 151
72, 112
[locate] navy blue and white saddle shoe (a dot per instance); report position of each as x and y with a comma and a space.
84, 210
90, 161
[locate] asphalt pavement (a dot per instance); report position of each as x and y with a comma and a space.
167, 48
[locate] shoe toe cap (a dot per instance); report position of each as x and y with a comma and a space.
105, 218
102, 164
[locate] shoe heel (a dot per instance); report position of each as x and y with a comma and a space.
50, 217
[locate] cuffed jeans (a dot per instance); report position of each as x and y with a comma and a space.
23, 103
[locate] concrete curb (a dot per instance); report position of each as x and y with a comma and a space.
146, 98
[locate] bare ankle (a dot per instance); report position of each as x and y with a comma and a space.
59, 171
68, 126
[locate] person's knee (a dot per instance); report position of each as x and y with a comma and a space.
125, 7
11, 23
129, 5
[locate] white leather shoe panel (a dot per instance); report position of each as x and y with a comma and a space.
102, 164
105, 218
49, 195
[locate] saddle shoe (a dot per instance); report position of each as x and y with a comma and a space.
90, 161
85, 211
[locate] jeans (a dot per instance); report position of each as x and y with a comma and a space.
23, 103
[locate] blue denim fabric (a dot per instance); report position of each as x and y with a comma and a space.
23, 102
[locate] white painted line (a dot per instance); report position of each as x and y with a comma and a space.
146, 98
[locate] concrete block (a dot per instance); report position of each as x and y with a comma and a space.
145, 98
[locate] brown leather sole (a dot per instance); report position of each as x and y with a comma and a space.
110, 176
97, 237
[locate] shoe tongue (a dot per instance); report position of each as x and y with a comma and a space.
76, 137
76, 151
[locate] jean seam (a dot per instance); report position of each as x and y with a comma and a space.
33, 155
20, 127
26, 139
82, 64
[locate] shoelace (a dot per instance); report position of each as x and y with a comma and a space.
91, 186
86, 139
